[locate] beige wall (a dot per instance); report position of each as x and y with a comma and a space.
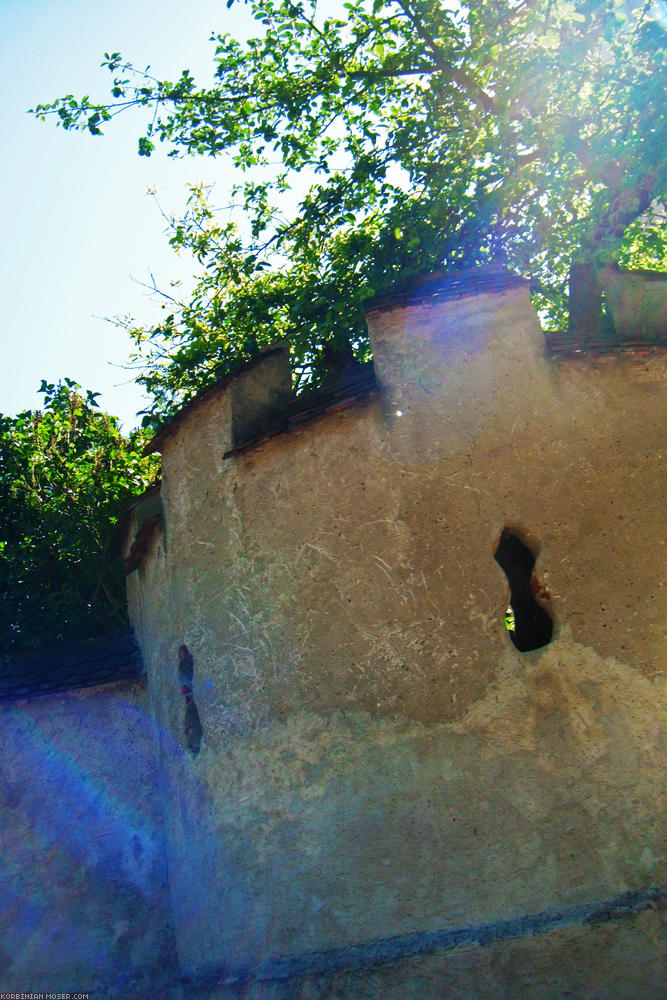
377, 758
637, 302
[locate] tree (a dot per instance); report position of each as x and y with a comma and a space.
429, 134
66, 472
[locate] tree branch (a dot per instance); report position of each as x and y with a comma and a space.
457, 75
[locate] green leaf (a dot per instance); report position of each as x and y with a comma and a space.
440, 139
66, 472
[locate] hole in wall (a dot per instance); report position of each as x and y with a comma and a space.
528, 624
192, 726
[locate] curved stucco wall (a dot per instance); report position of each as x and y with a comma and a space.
377, 759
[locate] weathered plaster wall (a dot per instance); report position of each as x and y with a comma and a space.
83, 899
637, 302
377, 759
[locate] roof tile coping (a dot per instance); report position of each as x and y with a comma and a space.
69, 666
142, 542
156, 443
150, 500
560, 345
436, 286
356, 385
440, 284
642, 272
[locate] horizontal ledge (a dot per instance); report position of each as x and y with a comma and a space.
567, 345
383, 950
316, 406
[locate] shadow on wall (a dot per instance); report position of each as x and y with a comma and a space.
192, 723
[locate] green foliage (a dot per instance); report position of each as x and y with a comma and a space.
426, 134
65, 474
644, 244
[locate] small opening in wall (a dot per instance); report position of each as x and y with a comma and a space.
192, 726
528, 624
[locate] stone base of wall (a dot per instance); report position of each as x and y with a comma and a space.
600, 957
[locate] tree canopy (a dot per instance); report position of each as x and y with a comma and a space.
426, 134
66, 472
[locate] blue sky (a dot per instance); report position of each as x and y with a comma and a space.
78, 224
